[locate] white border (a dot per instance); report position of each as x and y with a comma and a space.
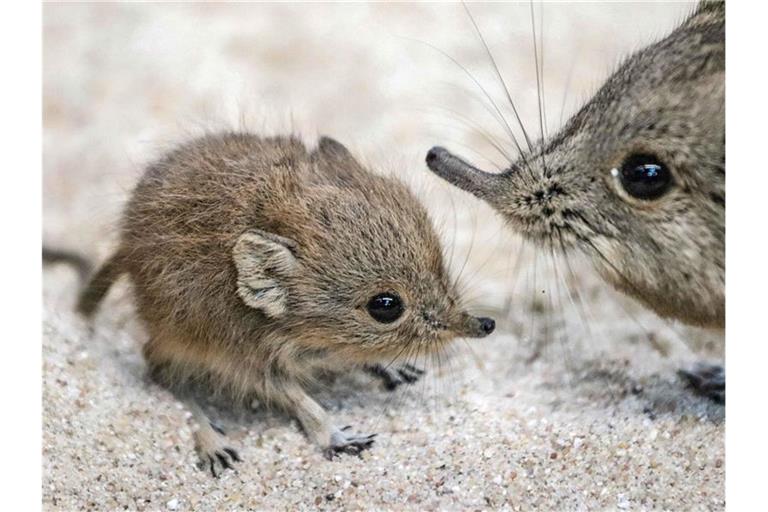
747, 186
746, 235
21, 306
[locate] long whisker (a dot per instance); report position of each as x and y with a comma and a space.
578, 303
515, 274
491, 256
541, 47
476, 126
648, 334
531, 339
455, 230
538, 85
505, 123
566, 89
499, 76
610, 264
469, 252
391, 401
564, 341
492, 112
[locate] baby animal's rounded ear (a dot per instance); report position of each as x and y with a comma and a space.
263, 261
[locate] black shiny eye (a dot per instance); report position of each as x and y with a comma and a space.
385, 307
644, 177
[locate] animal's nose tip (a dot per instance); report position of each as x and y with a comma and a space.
434, 154
487, 325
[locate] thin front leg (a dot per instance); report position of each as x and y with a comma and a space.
211, 443
316, 422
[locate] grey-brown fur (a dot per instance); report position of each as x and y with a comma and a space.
252, 260
667, 100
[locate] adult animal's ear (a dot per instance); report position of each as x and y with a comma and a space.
264, 261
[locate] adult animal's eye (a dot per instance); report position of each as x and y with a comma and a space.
643, 177
385, 307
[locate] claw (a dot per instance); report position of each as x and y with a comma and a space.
708, 380
213, 467
217, 456
391, 385
233, 453
392, 378
414, 369
349, 444
224, 461
217, 428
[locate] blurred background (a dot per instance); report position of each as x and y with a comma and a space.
124, 82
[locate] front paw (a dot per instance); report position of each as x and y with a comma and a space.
214, 453
393, 377
706, 379
345, 441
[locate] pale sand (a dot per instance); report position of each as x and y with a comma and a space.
598, 421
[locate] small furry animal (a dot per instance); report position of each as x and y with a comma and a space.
635, 179
256, 263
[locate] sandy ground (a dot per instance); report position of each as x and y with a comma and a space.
572, 404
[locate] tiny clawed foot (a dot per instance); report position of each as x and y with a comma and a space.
225, 458
707, 380
214, 453
393, 377
345, 441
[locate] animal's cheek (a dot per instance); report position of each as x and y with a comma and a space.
402, 340
608, 255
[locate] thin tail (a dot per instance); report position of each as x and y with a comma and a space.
82, 265
92, 294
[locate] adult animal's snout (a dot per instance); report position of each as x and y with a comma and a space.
487, 325
462, 174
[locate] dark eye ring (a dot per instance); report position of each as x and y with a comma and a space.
644, 177
385, 307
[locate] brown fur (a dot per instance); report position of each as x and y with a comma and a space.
252, 260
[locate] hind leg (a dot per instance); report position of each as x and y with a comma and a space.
211, 443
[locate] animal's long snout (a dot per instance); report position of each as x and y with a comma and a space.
465, 176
